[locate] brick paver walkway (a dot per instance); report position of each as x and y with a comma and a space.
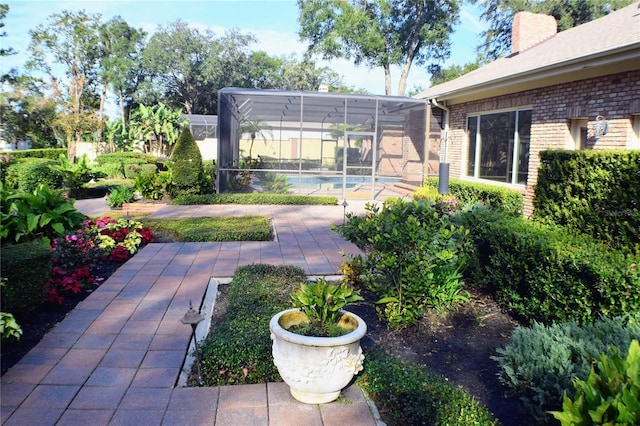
115, 359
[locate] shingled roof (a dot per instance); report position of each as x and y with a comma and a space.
604, 46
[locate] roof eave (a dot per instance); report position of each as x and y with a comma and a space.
624, 58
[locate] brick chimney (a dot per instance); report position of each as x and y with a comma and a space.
529, 29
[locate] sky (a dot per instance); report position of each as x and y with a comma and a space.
273, 22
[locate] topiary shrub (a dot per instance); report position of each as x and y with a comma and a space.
25, 175
26, 267
186, 169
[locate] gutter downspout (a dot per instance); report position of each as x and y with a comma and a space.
443, 170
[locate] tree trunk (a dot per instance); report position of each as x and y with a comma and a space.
402, 84
387, 79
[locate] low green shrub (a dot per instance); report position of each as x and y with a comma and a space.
408, 394
131, 171
277, 199
610, 395
26, 267
274, 183
238, 348
48, 153
546, 274
540, 362
203, 229
154, 186
120, 195
509, 201
25, 175
414, 257
126, 158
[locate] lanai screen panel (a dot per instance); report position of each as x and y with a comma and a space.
306, 136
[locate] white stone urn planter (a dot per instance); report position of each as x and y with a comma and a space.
316, 368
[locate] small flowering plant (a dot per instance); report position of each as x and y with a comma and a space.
78, 256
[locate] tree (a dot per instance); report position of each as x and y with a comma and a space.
453, 72
568, 13
186, 168
380, 33
120, 67
156, 126
70, 39
254, 128
4, 9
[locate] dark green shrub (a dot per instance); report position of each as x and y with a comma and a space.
238, 348
277, 199
5, 161
408, 394
25, 175
545, 273
540, 362
414, 258
595, 192
26, 267
48, 153
43, 213
610, 395
186, 169
209, 171
503, 199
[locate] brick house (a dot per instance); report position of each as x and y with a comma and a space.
576, 89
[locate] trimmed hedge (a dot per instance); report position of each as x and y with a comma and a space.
596, 192
509, 201
408, 394
48, 153
25, 175
275, 199
26, 267
547, 274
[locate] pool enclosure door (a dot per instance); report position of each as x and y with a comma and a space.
360, 166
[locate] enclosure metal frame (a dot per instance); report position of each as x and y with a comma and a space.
309, 111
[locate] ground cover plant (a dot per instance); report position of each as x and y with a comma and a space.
202, 229
255, 198
540, 363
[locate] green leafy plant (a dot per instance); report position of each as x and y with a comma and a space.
273, 182
414, 257
43, 213
322, 303
77, 173
120, 195
609, 396
153, 186
186, 169
9, 327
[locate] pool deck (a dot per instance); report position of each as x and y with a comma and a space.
117, 357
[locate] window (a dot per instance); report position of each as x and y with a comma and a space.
579, 130
499, 146
635, 142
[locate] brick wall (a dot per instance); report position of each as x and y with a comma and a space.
615, 97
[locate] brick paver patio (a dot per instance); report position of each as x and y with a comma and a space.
116, 358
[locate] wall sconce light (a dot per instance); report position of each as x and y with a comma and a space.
600, 127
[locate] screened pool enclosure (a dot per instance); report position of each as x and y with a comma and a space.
346, 145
